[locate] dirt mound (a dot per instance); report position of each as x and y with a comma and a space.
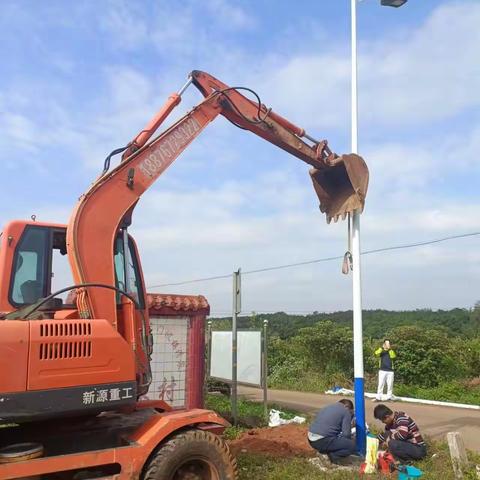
283, 441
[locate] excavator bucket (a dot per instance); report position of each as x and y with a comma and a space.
341, 187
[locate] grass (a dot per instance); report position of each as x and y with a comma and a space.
261, 467
316, 382
222, 404
246, 408
453, 391
250, 414
447, 392
309, 383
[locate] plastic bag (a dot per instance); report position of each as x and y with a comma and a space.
275, 419
298, 419
371, 454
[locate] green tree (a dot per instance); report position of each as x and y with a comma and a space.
426, 357
327, 347
475, 319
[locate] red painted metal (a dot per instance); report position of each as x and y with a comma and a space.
196, 362
131, 457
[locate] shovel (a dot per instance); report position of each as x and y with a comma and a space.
341, 186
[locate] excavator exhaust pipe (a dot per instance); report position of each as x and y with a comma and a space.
341, 186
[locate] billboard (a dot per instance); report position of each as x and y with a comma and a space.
249, 356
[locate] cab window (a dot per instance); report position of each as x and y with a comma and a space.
134, 287
30, 278
61, 275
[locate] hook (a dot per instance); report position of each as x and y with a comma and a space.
347, 265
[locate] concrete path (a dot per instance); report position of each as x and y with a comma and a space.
433, 421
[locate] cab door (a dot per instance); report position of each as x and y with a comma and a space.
129, 279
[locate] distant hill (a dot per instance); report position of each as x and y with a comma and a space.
458, 321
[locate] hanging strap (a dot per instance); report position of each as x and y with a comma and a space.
347, 264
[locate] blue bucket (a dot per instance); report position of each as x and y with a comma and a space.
410, 473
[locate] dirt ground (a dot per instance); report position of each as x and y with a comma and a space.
434, 421
282, 441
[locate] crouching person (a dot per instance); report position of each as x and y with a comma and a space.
402, 436
330, 432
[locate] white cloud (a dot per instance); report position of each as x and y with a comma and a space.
310, 90
200, 233
462, 151
172, 29
196, 224
422, 74
429, 220
20, 130
229, 14
394, 167
125, 22
426, 74
128, 88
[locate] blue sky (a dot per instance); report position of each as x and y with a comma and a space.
82, 78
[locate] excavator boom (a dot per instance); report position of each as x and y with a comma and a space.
90, 352
339, 181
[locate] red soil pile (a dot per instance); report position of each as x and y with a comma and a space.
283, 441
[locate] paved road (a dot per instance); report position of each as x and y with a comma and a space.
434, 421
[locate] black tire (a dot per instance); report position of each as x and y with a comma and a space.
192, 455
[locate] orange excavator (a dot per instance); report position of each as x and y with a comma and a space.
77, 357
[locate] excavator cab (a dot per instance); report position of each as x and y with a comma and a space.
54, 362
33, 262
39, 267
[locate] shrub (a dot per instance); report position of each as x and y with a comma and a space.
426, 357
327, 347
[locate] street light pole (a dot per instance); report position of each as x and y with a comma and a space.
357, 280
357, 283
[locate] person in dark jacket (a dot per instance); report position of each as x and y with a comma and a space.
386, 356
402, 436
330, 432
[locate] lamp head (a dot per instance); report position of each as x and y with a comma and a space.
393, 3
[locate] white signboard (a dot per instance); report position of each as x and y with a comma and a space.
249, 357
169, 360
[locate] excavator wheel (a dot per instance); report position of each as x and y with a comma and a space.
192, 455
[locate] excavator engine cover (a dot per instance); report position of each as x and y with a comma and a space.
341, 187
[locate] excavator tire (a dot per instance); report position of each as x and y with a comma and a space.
192, 455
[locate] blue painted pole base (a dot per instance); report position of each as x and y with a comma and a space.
361, 432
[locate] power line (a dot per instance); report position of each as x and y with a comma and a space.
320, 260
206, 279
419, 244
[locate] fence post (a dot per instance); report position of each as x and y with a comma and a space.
236, 308
265, 370
458, 454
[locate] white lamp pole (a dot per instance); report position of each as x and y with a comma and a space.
357, 283
357, 280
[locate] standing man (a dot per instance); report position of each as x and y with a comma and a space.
402, 436
331, 431
386, 356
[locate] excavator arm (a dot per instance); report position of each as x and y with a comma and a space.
340, 181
